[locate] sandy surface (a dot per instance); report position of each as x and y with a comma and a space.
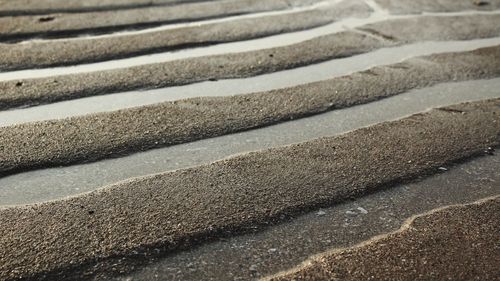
236, 86
422, 6
29, 7
92, 137
57, 53
455, 243
236, 65
181, 72
60, 182
299, 192
429, 28
51, 53
62, 25
283, 246
170, 211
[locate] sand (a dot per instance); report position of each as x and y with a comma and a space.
40, 7
111, 134
74, 24
455, 243
160, 213
236, 65
283, 246
422, 6
60, 182
52, 53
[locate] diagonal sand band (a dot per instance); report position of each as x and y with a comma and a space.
74, 24
425, 6
40, 7
453, 243
230, 87
104, 135
237, 65
56, 53
61, 182
182, 208
299, 6
40, 54
282, 246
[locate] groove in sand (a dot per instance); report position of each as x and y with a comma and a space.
112, 134
57, 183
41, 7
57, 53
273, 41
294, 8
425, 6
230, 87
279, 247
185, 207
238, 65
421, 249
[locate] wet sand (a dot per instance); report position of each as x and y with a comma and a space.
40, 7
111, 134
258, 180
73, 24
230, 87
180, 209
25, 92
423, 6
454, 243
283, 246
60, 182
53, 53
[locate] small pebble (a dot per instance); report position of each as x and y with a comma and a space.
320, 213
362, 210
351, 213
442, 169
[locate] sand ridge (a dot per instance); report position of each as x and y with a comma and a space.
426, 6
74, 24
467, 226
27, 92
111, 134
41, 7
179, 209
56, 53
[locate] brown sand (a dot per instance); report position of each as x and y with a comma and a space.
30, 7
73, 24
92, 137
417, 7
454, 243
35, 91
51, 53
178, 209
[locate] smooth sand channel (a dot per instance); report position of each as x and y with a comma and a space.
50, 184
229, 87
286, 245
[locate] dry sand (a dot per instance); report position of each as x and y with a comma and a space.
160, 213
